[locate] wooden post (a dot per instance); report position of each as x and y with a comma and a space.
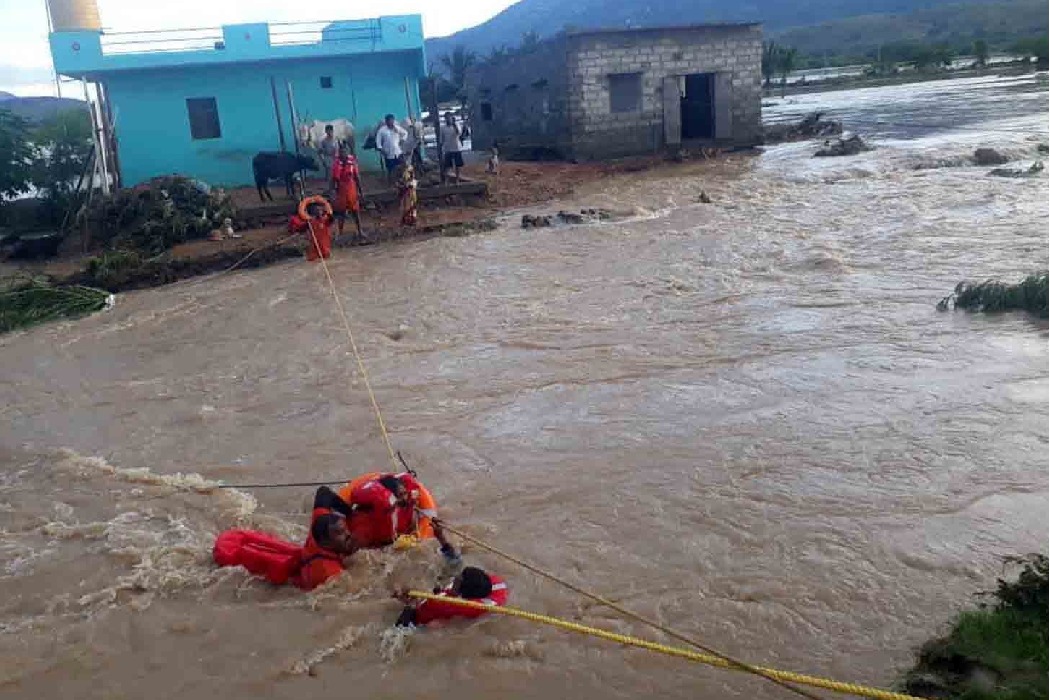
293, 117
408, 99
96, 138
277, 113
295, 135
435, 115
109, 134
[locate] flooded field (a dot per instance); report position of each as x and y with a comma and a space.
745, 419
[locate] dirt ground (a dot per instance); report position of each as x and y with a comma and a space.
518, 185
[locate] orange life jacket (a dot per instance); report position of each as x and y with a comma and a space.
378, 520
317, 564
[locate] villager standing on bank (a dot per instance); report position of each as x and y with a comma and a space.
388, 140
451, 145
406, 194
327, 150
346, 181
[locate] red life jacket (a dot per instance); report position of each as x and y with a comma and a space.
263, 555
377, 519
317, 564
432, 610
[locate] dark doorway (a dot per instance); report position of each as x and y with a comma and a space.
698, 106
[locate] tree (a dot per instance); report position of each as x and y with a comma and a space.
980, 52
885, 62
943, 55
769, 61
786, 64
16, 154
457, 64
923, 57
1033, 47
529, 41
61, 147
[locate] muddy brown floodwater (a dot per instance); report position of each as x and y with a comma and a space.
745, 419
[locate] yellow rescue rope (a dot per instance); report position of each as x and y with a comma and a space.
393, 460
710, 660
353, 346
723, 659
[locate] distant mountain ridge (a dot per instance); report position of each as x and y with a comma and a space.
548, 17
36, 109
998, 23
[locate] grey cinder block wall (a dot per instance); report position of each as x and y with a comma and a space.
608, 93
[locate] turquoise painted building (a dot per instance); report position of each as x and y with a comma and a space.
201, 103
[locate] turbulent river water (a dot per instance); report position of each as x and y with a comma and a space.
745, 419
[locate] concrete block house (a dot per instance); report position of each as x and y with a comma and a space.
203, 102
609, 93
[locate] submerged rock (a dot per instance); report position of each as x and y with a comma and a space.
843, 147
571, 217
704, 198
989, 156
535, 221
812, 126
1037, 167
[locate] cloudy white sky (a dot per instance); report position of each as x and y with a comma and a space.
25, 63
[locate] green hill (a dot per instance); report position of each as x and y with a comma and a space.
814, 26
1000, 24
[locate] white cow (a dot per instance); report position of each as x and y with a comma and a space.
311, 132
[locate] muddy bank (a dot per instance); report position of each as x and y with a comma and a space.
263, 239
119, 271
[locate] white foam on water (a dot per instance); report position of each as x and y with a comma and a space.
395, 642
347, 639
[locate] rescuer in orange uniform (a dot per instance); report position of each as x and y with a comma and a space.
389, 506
329, 540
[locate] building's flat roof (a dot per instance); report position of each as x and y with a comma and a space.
662, 28
92, 53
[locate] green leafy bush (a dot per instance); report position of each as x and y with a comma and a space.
1030, 294
997, 652
155, 216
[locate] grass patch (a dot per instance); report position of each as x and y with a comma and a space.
997, 652
1030, 294
29, 303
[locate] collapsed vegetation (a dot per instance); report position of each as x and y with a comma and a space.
153, 217
997, 652
28, 302
1030, 294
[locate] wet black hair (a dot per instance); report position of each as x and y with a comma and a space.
391, 483
389, 116
474, 583
320, 527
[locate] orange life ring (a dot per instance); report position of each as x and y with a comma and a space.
424, 527
315, 199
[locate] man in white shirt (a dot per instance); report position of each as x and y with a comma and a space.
388, 141
451, 145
